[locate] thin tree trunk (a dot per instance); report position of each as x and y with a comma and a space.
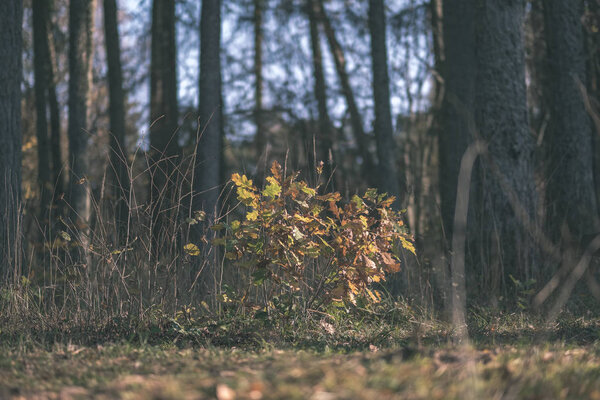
80, 82
361, 138
11, 74
384, 130
571, 198
261, 134
209, 145
504, 247
207, 183
321, 145
41, 57
164, 148
55, 131
118, 151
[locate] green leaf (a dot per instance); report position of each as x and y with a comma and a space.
273, 189
297, 234
217, 227
371, 194
358, 202
309, 191
259, 276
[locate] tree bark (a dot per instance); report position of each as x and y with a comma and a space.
80, 82
321, 145
261, 136
41, 57
458, 70
11, 74
571, 198
502, 246
384, 130
362, 140
208, 162
55, 137
208, 166
118, 151
164, 148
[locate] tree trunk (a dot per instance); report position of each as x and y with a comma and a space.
384, 131
207, 176
593, 82
80, 82
164, 148
41, 57
502, 246
458, 70
11, 74
362, 140
261, 135
55, 138
118, 151
320, 146
207, 184
571, 198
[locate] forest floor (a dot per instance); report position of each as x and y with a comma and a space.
510, 356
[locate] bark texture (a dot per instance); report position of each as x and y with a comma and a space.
41, 77
458, 70
501, 246
11, 72
55, 129
164, 148
118, 151
319, 147
80, 82
571, 199
384, 131
261, 135
207, 176
208, 163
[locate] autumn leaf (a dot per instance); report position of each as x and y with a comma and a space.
252, 216
408, 245
276, 171
65, 236
191, 249
199, 216
273, 189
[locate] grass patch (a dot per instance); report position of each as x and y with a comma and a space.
397, 352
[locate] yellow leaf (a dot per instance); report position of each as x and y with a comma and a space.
273, 189
65, 236
302, 218
200, 215
352, 287
372, 296
408, 245
191, 249
252, 216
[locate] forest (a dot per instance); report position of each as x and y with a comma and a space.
324, 199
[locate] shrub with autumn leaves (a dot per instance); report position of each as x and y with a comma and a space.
297, 240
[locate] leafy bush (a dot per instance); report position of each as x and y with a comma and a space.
289, 226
